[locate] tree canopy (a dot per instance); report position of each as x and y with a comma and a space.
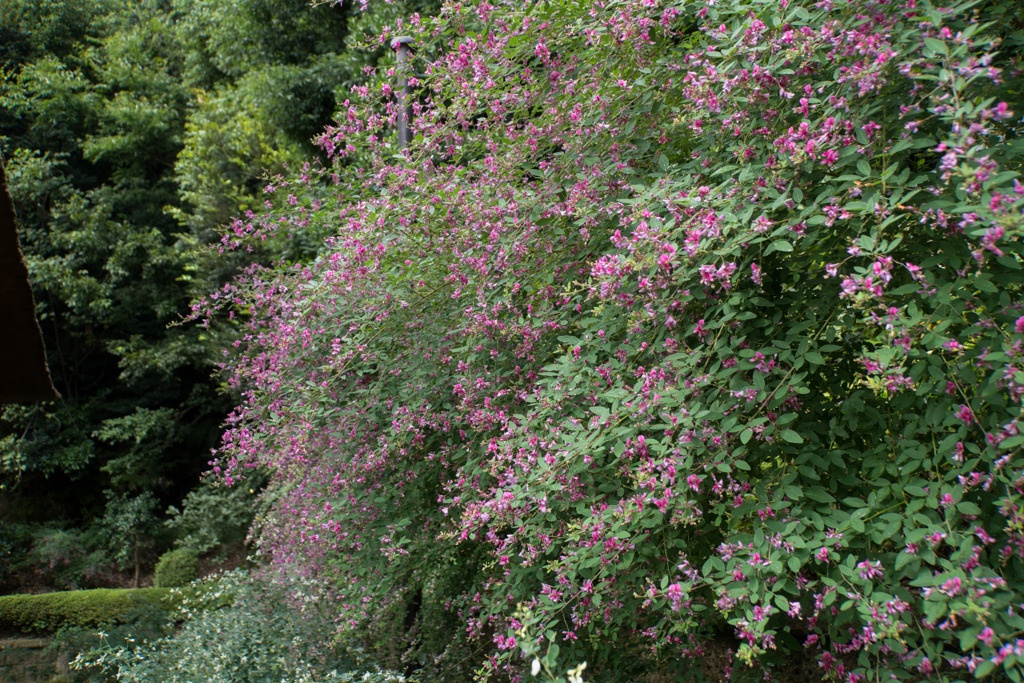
131, 133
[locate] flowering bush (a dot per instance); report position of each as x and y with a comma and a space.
676, 320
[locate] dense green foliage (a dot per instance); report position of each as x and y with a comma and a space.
90, 134
130, 133
213, 515
677, 321
176, 568
50, 612
239, 627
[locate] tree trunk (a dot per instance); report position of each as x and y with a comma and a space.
136, 585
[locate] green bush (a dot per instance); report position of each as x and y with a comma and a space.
150, 622
237, 626
70, 609
69, 558
15, 546
176, 568
213, 515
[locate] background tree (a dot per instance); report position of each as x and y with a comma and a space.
92, 137
129, 522
131, 133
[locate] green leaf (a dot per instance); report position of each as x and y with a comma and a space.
791, 436
905, 558
935, 45
814, 358
984, 668
819, 494
968, 508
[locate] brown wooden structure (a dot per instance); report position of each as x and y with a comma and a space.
24, 375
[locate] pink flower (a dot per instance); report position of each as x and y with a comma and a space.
869, 569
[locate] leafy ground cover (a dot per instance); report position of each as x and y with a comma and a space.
235, 626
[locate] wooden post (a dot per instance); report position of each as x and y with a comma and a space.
402, 46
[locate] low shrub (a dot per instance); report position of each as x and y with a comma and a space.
50, 612
176, 568
150, 622
234, 627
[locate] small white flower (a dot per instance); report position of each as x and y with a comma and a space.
576, 675
535, 667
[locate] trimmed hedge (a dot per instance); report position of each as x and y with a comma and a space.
86, 608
